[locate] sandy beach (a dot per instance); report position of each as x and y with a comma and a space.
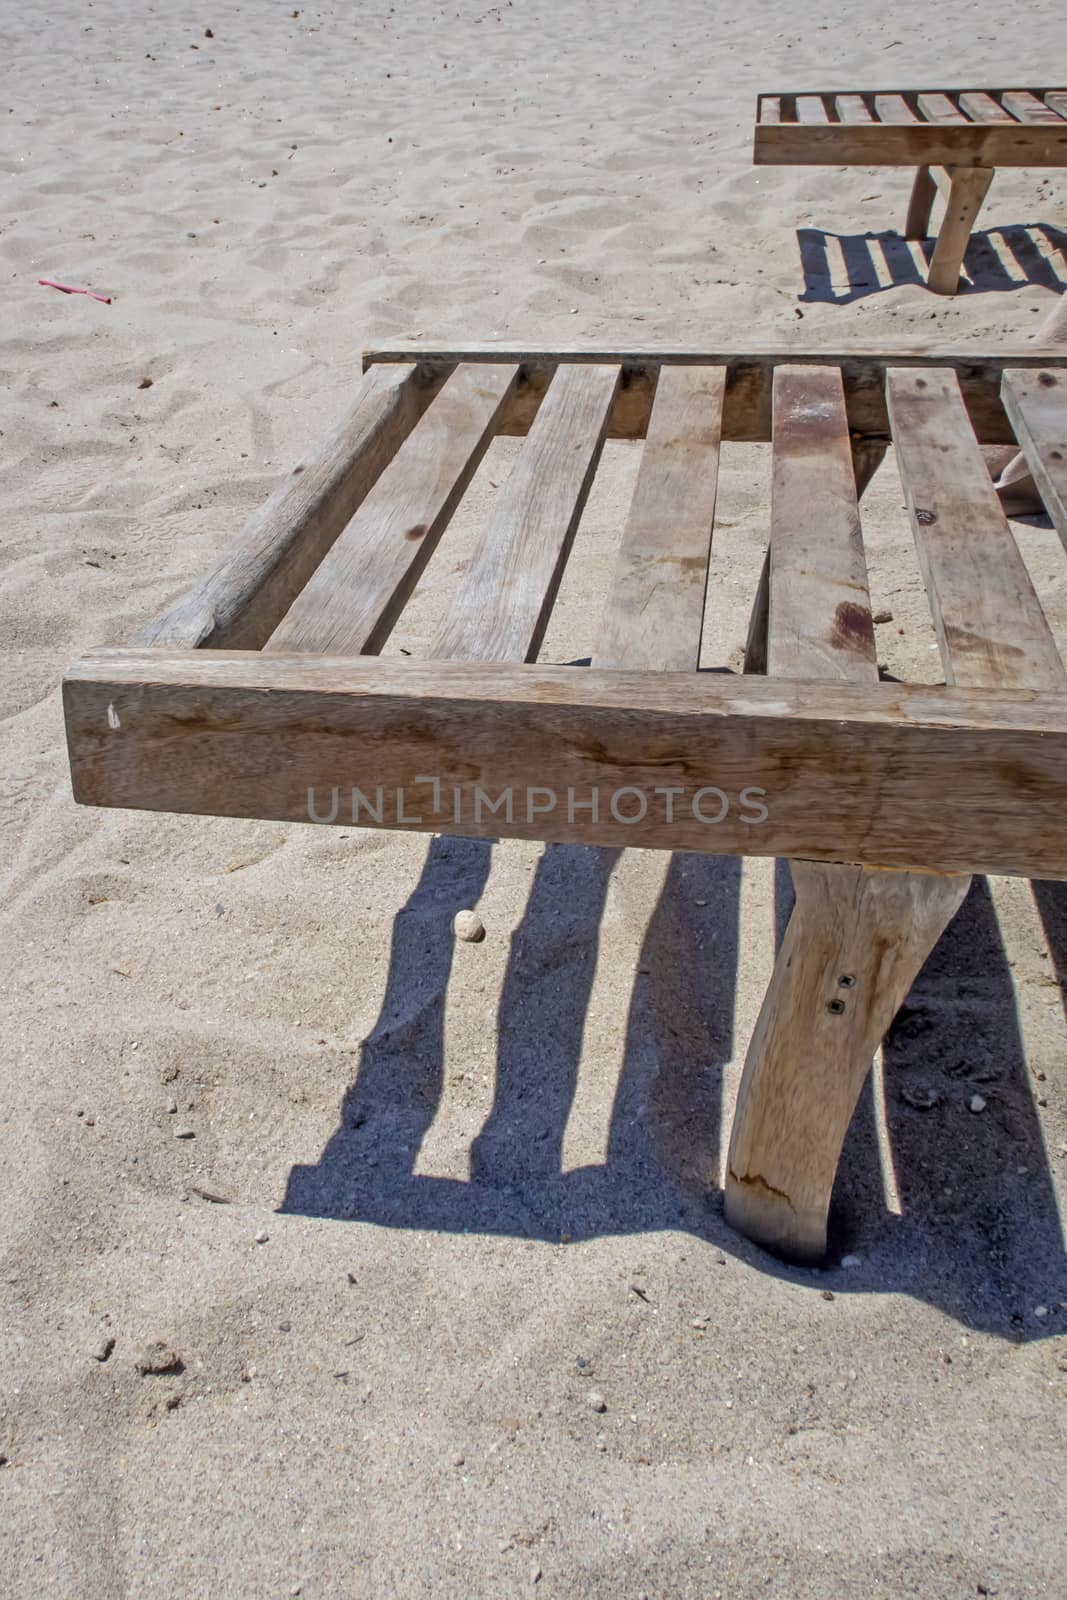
318, 1228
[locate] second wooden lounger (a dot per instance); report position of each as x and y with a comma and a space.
955, 138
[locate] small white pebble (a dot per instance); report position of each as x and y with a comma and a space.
596, 1400
977, 1102
851, 1261
469, 927
1041, 1311
262, 1236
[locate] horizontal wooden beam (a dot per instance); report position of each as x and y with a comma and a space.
890, 775
750, 374
910, 144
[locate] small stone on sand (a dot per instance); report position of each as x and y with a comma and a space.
977, 1102
469, 927
596, 1400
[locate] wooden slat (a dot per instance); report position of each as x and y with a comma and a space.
894, 775
893, 108
819, 619
852, 108
770, 108
241, 600
352, 602
982, 107
989, 621
656, 603
1056, 99
810, 108
939, 108
505, 597
1036, 402
1028, 108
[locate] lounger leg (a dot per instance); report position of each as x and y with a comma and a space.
923, 192
855, 943
969, 187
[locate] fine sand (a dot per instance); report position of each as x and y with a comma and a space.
485, 1177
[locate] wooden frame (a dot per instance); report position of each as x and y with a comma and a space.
261, 692
955, 139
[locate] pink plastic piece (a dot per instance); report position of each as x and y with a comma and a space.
66, 288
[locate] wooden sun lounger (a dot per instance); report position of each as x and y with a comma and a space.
261, 694
955, 138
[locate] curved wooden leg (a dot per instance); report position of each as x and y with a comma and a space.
923, 191
969, 187
856, 940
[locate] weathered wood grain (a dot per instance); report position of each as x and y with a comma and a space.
505, 596
819, 622
241, 600
851, 771
1027, 106
856, 940
852, 108
968, 188
655, 605
982, 107
989, 621
893, 109
939, 108
910, 143
351, 603
1036, 402
920, 204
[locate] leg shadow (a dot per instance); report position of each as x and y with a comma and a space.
366, 1168
662, 1168
980, 1235
517, 1159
